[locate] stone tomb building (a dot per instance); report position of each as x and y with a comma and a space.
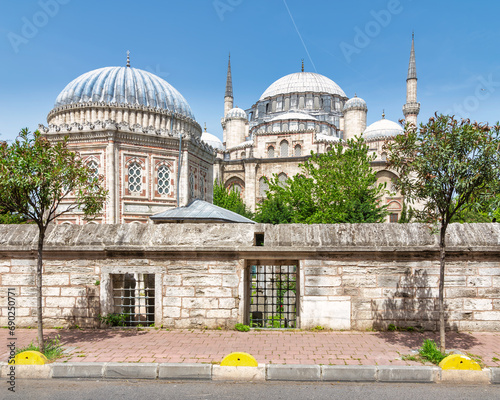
139, 132
358, 276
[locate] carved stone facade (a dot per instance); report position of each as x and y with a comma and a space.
138, 132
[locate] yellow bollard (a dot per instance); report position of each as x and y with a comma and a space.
29, 358
458, 361
239, 359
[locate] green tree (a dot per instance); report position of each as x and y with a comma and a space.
40, 182
334, 187
446, 165
230, 199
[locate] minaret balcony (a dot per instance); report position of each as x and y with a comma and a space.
411, 109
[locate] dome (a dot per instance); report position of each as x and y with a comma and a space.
124, 85
293, 115
212, 140
303, 82
355, 103
236, 112
383, 128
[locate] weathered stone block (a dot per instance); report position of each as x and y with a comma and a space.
213, 292
489, 271
227, 303
320, 271
179, 291
324, 291
18, 280
230, 280
172, 301
479, 281
202, 280
83, 279
172, 312
187, 269
188, 302
172, 280
56, 280
21, 261
460, 292
388, 280
71, 291
319, 281
478, 304
359, 281
219, 314
487, 316
489, 292
60, 302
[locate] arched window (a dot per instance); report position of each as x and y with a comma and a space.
297, 150
267, 108
163, 179
263, 187
94, 170
202, 188
243, 155
284, 148
270, 152
191, 186
282, 178
134, 177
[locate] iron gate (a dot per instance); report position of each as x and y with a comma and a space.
134, 297
272, 289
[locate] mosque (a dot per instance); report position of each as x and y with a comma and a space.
138, 131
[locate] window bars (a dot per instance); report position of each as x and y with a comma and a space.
273, 296
134, 297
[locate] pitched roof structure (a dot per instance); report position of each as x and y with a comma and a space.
201, 212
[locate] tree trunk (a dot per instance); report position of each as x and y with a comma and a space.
442, 255
41, 238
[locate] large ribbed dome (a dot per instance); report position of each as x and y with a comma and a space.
303, 82
124, 85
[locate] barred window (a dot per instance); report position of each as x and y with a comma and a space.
298, 150
270, 152
94, 170
191, 185
282, 178
263, 187
163, 180
134, 177
284, 148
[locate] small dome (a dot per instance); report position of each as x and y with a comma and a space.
212, 140
303, 82
293, 115
383, 128
356, 103
236, 112
124, 85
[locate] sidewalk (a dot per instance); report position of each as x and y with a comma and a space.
268, 347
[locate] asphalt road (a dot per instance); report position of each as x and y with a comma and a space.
55, 389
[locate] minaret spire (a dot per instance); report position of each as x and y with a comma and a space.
412, 67
302, 65
412, 107
128, 58
228, 97
229, 81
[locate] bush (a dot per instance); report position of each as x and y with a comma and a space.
113, 319
430, 352
242, 328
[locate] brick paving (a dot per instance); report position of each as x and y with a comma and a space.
276, 347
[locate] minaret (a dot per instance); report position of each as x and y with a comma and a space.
228, 97
411, 108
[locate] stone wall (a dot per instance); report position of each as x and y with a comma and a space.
350, 276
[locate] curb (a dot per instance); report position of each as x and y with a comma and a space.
264, 372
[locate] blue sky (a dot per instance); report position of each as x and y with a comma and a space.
364, 46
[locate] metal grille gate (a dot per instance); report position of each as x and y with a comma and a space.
272, 295
134, 296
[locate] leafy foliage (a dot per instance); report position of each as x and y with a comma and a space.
52, 350
40, 182
113, 319
35, 178
230, 199
335, 187
452, 169
430, 352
